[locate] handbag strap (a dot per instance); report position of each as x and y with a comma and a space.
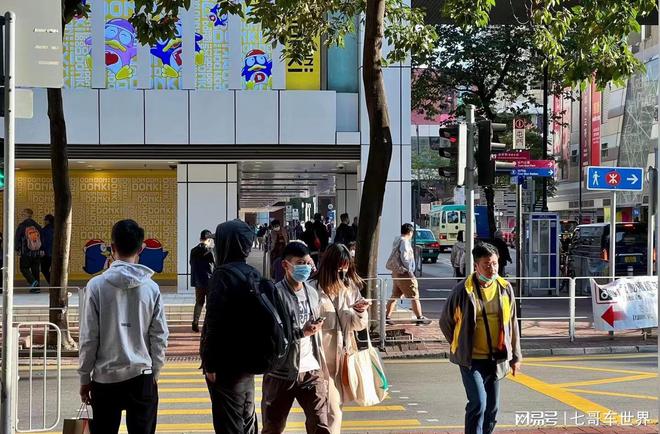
83, 409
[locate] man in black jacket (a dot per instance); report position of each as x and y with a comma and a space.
28, 246
345, 233
231, 388
321, 231
201, 270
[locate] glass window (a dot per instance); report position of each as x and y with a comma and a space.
453, 217
425, 235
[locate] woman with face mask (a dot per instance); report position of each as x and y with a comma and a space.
345, 312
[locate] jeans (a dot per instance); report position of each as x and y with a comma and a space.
137, 396
232, 404
483, 392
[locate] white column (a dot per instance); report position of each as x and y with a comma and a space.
207, 195
347, 198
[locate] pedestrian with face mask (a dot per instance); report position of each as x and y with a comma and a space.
303, 373
480, 323
201, 269
345, 312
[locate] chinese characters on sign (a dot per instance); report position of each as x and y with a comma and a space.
545, 418
304, 75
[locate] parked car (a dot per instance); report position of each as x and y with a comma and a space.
428, 245
590, 244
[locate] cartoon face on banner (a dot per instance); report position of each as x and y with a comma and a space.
257, 70
120, 48
153, 255
218, 20
98, 256
169, 55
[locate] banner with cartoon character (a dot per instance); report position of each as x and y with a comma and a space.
167, 60
257, 68
214, 67
98, 255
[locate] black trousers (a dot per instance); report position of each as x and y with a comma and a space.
29, 266
46, 262
232, 404
137, 396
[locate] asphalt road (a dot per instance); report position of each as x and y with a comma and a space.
426, 396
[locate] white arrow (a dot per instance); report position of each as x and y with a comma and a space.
633, 178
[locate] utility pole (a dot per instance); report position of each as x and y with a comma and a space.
544, 207
580, 162
469, 192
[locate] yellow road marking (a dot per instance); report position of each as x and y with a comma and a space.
207, 411
592, 357
606, 381
604, 393
587, 368
369, 424
562, 395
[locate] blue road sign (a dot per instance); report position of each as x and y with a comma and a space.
615, 178
533, 171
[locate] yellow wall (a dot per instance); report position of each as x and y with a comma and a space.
100, 198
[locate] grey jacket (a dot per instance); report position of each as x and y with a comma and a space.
123, 332
458, 321
288, 369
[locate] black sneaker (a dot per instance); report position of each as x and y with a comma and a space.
195, 328
422, 320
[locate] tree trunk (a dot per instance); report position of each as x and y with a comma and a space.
380, 149
490, 205
59, 300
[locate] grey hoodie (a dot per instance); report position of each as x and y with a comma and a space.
123, 332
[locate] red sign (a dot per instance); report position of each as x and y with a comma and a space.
613, 178
535, 164
595, 125
612, 315
585, 126
513, 156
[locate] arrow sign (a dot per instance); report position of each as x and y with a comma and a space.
615, 178
535, 164
612, 315
533, 171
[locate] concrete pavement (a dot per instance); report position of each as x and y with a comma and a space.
591, 394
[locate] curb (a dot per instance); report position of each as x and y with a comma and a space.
534, 352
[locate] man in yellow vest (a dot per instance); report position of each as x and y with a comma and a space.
480, 323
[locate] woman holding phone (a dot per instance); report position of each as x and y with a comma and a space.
345, 312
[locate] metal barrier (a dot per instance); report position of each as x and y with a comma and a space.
43, 425
571, 298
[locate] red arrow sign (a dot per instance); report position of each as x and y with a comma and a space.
535, 164
612, 315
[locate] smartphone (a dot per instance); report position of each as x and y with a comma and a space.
318, 320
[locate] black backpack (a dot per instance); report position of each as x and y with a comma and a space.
253, 338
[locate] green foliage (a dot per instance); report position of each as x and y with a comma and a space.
425, 164
578, 39
483, 65
300, 24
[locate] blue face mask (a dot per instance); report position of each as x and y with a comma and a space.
301, 272
485, 279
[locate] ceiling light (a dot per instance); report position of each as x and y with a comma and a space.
81, 162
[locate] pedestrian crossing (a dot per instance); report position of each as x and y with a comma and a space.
185, 407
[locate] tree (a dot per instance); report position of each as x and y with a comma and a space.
330, 21
153, 20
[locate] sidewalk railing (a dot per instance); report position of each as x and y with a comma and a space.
521, 285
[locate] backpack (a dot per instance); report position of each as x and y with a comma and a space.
394, 262
32, 239
260, 342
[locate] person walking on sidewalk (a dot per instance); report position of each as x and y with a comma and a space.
226, 344
28, 246
345, 312
458, 256
123, 336
302, 375
479, 321
201, 270
345, 234
402, 265
47, 235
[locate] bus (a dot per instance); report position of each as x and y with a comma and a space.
446, 221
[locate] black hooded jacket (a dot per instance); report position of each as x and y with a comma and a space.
225, 310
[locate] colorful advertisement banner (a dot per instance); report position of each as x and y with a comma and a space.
77, 71
595, 125
304, 75
585, 125
121, 45
212, 59
167, 60
257, 52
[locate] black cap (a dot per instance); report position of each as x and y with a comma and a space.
206, 234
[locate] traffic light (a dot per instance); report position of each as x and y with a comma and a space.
486, 165
453, 148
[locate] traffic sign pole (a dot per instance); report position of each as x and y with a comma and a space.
8, 394
469, 192
612, 256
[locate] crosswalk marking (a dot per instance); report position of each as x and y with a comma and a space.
296, 410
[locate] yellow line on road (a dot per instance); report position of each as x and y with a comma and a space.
604, 393
587, 368
606, 381
592, 357
564, 396
207, 411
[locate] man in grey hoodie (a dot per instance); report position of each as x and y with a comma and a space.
123, 336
